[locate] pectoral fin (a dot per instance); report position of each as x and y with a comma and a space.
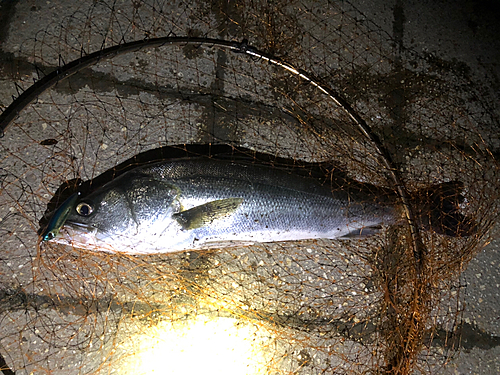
205, 214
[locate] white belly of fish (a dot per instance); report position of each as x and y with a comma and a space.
244, 227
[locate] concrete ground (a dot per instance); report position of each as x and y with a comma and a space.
425, 75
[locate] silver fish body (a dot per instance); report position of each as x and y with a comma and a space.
201, 203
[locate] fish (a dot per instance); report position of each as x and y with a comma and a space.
199, 203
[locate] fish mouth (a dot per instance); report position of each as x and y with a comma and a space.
81, 236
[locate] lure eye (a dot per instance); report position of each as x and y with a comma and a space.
84, 209
49, 236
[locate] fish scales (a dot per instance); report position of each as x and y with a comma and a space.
272, 199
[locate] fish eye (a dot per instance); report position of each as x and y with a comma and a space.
84, 209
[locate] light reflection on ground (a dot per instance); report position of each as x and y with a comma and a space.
195, 346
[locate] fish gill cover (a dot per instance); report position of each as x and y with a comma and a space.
292, 81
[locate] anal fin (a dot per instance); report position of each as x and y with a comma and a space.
363, 232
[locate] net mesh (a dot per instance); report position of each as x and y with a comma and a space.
324, 306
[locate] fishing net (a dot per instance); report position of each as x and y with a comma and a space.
310, 82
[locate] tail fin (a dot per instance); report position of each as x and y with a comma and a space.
438, 209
